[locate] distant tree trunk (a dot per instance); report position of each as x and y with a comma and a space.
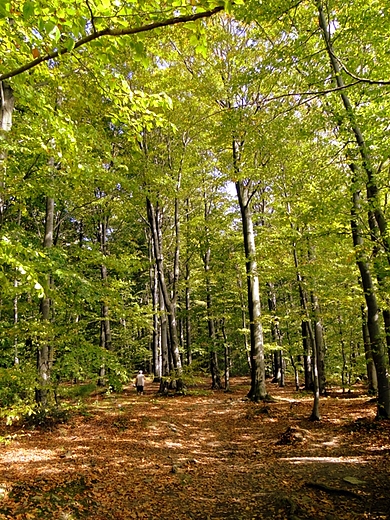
188, 291
214, 365
170, 304
105, 326
227, 356
154, 289
371, 370
188, 316
278, 361
16, 319
308, 335
165, 361
258, 389
315, 414
44, 352
307, 364
296, 373
243, 319
320, 343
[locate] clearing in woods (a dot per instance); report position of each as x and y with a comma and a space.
207, 455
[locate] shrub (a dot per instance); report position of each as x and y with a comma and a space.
17, 385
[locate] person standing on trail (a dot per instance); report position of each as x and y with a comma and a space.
140, 383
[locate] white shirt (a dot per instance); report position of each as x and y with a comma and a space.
140, 380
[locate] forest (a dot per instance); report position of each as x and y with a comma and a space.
199, 190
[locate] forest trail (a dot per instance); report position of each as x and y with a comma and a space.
208, 455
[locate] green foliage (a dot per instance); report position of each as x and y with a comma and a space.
84, 361
76, 391
46, 418
17, 386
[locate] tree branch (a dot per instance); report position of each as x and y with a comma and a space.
110, 32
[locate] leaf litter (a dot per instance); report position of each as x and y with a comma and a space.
207, 455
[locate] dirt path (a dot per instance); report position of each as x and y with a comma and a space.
205, 456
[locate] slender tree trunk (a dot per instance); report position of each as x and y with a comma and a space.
188, 316
320, 343
170, 304
105, 327
373, 313
258, 390
278, 361
44, 355
371, 370
296, 373
243, 319
227, 356
307, 364
16, 319
308, 334
156, 358
165, 362
188, 290
214, 365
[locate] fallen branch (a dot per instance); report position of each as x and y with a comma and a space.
333, 490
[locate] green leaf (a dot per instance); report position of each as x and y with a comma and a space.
228, 6
69, 44
28, 10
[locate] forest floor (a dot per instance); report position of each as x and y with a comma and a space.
207, 455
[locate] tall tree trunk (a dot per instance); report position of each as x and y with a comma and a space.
227, 356
243, 319
278, 361
258, 390
16, 319
154, 289
44, 354
373, 312
320, 343
309, 335
376, 221
371, 370
170, 304
188, 291
307, 365
105, 327
214, 365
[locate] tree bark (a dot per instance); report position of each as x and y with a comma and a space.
278, 361
373, 312
320, 343
376, 220
44, 354
258, 389
214, 365
371, 370
170, 304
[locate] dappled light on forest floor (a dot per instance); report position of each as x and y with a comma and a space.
334, 460
151, 457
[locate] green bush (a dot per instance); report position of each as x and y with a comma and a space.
17, 385
45, 417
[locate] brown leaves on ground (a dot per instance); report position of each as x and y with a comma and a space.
212, 455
